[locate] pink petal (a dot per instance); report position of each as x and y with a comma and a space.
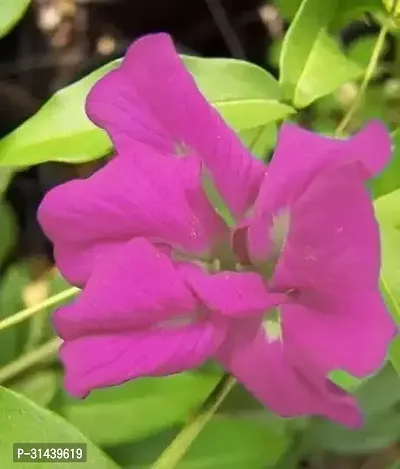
233, 294
152, 99
100, 361
351, 331
299, 160
287, 384
333, 241
153, 196
133, 287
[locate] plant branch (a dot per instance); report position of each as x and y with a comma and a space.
369, 73
28, 312
173, 455
42, 353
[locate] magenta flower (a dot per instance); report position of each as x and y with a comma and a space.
282, 298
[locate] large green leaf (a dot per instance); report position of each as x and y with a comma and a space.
13, 338
244, 94
40, 387
312, 65
22, 421
139, 408
60, 130
11, 11
346, 11
229, 443
225, 443
379, 432
378, 398
350, 10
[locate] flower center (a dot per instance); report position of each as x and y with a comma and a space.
271, 325
181, 149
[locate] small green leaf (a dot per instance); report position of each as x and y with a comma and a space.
389, 179
390, 281
139, 408
345, 381
244, 94
392, 7
260, 140
24, 421
306, 58
387, 210
11, 11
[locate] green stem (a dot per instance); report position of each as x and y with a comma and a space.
172, 456
42, 353
369, 73
28, 312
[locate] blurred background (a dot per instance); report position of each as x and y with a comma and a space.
60, 41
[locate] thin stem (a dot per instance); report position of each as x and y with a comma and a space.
173, 455
369, 73
28, 312
42, 353
227, 31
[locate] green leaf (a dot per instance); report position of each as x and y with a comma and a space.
40, 387
8, 230
60, 130
13, 338
5, 178
24, 421
387, 210
225, 443
306, 58
11, 11
389, 179
223, 80
386, 385
260, 140
392, 7
378, 398
379, 432
360, 51
351, 10
390, 274
139, 408
346, 11
244, 94
229, 443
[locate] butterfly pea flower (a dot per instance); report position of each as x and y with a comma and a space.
280, 297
